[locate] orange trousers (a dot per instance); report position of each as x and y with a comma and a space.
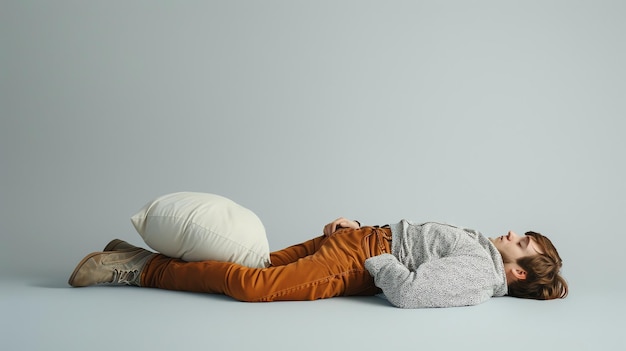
319, 268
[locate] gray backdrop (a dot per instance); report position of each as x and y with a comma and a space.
494, 115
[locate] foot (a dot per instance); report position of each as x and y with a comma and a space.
119, 245
113, 267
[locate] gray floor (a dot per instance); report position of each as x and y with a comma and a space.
46, 314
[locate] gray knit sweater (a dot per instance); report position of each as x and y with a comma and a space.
438, 265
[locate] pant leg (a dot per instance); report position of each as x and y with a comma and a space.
335, 269
295, 252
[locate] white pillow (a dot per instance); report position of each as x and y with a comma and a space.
199, 226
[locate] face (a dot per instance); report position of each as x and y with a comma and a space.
513, 246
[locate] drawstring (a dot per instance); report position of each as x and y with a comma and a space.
379, 235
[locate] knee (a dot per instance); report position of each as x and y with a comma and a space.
242, 284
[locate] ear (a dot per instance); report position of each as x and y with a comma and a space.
519, 273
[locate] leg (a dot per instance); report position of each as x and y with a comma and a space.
295, 252
277, 258
335, 269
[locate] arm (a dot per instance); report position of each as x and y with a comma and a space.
338, 223
442, 282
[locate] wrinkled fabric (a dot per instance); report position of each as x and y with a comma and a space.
438, 265
320, 268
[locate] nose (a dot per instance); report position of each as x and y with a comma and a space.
511, 235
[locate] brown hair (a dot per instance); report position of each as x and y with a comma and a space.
543, 280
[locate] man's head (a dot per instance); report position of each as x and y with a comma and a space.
532, 266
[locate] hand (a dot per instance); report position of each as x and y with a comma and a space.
338, 223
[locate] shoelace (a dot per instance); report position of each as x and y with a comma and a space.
125, 277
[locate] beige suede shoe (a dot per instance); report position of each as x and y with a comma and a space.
112, 268
119, 245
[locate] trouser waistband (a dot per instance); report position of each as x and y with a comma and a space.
377, 242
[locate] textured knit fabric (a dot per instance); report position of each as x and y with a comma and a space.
438, 265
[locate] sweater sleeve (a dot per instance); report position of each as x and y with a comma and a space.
444, 282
